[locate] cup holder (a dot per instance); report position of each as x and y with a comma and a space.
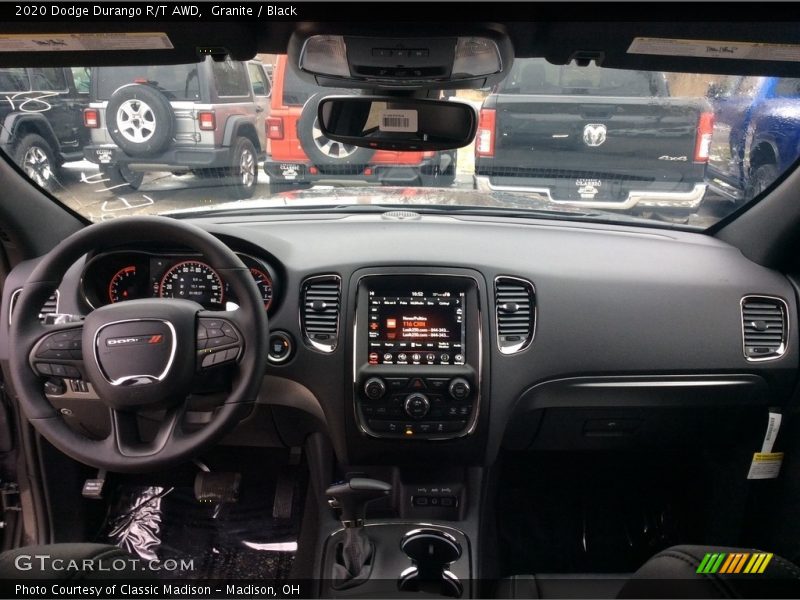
432, 551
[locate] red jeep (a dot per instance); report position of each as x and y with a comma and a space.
299, 155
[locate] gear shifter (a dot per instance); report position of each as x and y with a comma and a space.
354, 564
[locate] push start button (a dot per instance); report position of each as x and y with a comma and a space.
281, 347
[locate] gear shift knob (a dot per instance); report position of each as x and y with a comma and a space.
352, 497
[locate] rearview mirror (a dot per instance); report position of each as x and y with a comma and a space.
389, 123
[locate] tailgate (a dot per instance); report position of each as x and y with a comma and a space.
627, 140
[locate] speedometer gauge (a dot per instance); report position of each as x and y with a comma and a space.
193, 280
264, 283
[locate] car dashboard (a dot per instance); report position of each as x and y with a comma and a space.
451, 336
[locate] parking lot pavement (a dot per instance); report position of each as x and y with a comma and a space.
84, 190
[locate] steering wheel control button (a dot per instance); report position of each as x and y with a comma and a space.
417, 406
374, 388
281, 347
229, 331
459, 389
218, 342
44, 368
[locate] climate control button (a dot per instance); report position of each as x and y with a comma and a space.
374, 388
459, 389
417, 406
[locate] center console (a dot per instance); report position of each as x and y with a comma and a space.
417, 355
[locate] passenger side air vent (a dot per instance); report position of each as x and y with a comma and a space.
320, 313
515, 309
50, 307
764, 327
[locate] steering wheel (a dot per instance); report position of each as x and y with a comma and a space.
139, 354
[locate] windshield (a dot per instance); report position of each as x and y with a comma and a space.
577, 142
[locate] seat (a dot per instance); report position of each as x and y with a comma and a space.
672, 573
74, 562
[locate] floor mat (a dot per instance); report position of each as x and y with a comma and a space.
575, 513
251, 539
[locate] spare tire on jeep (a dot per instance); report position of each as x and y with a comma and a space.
321, 150
140, 119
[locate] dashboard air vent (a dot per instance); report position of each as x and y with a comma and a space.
320, 312
50, 307
764, 327
515, 310
401, 215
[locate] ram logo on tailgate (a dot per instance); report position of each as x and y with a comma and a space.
594, 134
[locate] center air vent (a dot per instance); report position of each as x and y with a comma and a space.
764, 327
50, 307
515, 310
320, 313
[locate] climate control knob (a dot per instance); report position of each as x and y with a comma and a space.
417, 406
374, 388
459, 388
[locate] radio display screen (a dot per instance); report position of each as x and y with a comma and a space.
416, 327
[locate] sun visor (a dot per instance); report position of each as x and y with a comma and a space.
135, 43
732, 48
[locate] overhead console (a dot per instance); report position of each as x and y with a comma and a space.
417, 355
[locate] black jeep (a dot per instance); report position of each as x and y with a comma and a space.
42, 118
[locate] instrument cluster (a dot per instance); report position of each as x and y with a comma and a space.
130, 274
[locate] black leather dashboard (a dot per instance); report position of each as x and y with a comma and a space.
614, 305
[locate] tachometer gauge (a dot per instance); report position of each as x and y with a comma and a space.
193, 280
264, 283
126, 285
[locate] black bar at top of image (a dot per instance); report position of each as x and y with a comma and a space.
411, 11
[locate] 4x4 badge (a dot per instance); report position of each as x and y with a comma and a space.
594, 134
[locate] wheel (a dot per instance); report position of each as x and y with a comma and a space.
35, 157
243, 172
140, 119
278, 187
321, 150
121, 179
761, 178
157, 357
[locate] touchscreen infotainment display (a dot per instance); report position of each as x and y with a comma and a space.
416, 327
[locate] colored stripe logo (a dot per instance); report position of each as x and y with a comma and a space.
734, 563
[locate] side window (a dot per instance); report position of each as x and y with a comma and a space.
14, 80
48, 80
787, 88
267, 70
82, 76
259, 81
231, 78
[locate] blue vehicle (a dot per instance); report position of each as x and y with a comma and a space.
756, 134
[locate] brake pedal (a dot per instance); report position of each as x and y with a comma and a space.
217, 487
